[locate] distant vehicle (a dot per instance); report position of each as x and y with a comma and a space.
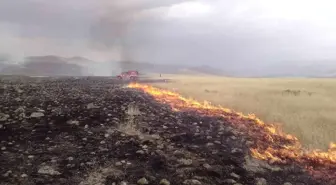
131, 75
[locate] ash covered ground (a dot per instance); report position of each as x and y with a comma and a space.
93, 131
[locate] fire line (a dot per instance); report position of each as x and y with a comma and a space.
270, 143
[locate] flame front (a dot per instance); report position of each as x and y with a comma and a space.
270, 143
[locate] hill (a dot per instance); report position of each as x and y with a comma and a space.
51, 65
43, 66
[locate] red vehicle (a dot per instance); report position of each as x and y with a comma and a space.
129, 75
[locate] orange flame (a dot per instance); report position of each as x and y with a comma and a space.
270, 143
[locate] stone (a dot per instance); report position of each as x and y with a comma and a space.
73, 122
218, 142
36, 115
7, 173
229, 181
3, 117
24, 175
48, 170
210, 144
235, 175
287, 183
207, 166
142, 181
186, 162
91, 106
164, 182
261, 181
140, 152
123, 183
192, 182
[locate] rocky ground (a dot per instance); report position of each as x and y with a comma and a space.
92, 131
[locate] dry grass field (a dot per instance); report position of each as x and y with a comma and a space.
304, 107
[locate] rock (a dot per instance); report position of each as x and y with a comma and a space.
123, 183
207, 166
118, 164
3, 148
229, 181
30, 157
7, 173
210, 144
70, 158
235, 175
192, 182
86, 126
186, 162
164, 127
53, 161
287, 183
48, 170
261, 181
91, 106
218, 142
40, 110
4, 117
164, 182
144, 146
19, 110
24, 175
73, 122
143, 181
17, 99
1, 126
36, 115
140, 152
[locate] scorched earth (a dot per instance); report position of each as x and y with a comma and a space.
94, 131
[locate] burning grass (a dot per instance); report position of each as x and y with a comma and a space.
270, 143
303, 107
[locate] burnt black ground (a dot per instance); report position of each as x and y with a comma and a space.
80, 131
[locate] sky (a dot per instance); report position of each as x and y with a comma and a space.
221, 33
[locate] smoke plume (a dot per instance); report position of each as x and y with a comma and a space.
112, 28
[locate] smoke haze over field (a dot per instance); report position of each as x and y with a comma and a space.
240, 36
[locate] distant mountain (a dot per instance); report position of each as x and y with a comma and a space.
51, 65
168, 68
44, 66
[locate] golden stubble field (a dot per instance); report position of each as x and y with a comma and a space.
304, 107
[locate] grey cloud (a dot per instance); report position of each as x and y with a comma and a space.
237, 34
